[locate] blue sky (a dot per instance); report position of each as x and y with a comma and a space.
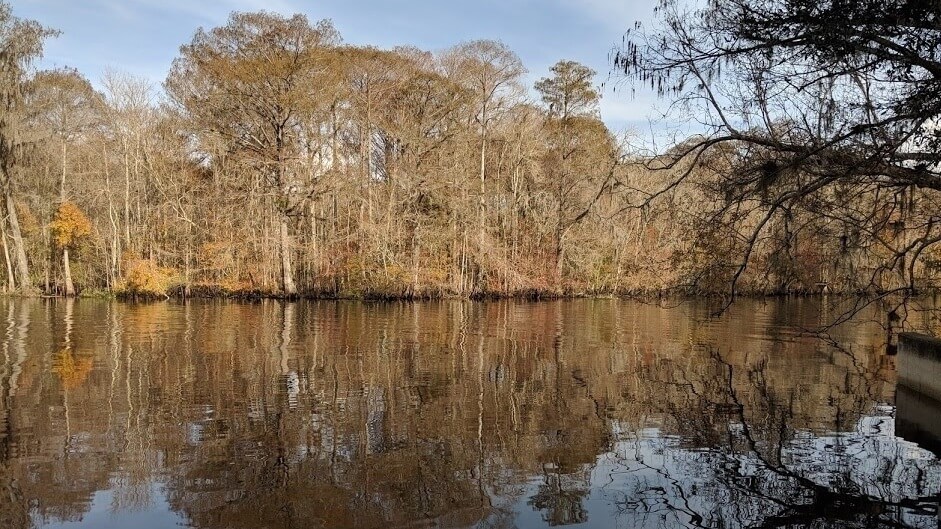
143, 36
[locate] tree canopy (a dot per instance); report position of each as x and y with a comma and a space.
277, 160
824, 109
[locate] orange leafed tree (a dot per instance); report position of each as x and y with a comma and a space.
69, 227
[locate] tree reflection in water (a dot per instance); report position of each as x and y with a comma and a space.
452, 414
770, 472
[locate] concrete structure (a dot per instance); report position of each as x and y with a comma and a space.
919, 364
918, 397
918, 419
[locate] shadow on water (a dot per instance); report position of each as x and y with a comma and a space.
452, 414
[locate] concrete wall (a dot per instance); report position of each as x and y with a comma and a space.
918, 419
919, 364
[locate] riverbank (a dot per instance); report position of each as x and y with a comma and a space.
219, 292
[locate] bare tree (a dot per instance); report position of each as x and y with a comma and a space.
64, 104
255, 83
492, 72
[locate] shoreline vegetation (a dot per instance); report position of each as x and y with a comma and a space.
277, 161
208, 292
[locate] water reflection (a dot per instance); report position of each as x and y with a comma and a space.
452, 414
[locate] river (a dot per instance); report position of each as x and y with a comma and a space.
589, 413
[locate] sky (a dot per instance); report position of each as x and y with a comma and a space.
142, 37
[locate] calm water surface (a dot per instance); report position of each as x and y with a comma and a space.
585, 413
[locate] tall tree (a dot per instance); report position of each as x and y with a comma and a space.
255, 84
581, 156
64, 105
569, 92
492, 73
825, 110
69, 228
21, 42
129, 114
63, 111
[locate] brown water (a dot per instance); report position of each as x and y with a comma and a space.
600, 413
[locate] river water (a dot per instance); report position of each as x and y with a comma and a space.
590, 413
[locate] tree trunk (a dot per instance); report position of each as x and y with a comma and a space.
67, 271
288, 288
11, 281
114, 271
479, 285
46, 260
127, 197
19, 249
62, 176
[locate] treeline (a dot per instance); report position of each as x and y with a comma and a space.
277, 160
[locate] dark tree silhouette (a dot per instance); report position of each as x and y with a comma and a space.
817, 120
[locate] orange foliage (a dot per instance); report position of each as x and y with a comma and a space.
145, 278
70, 225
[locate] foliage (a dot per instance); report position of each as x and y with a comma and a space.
70, 225
284, 162
145, 279
21, 42
569, 91
29, 223
64, 103
817, 122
